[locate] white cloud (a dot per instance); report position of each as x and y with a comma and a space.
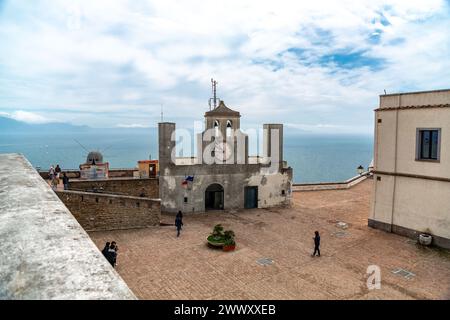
30, 117
27, 116
124, 58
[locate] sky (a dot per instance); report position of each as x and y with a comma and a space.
316, 66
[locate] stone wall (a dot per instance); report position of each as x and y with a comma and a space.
125, 186
97, 212
330, 185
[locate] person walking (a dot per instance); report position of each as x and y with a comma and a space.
57, 171
65, 181
55, 182
105, 250
112, 254
51, 173
179, 222
316, 244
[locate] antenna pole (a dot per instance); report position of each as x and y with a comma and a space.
214, 92
162, 113
81, 146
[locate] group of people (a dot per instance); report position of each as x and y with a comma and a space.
54, 174
110, 253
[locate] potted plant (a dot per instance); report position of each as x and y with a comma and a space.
223, 239
229, 244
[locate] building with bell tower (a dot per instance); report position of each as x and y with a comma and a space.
222, 175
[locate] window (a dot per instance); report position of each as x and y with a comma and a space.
229, 128
185, 199
428, 144
216, 128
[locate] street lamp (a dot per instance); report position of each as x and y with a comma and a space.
360, 169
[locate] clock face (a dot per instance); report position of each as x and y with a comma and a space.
222, 152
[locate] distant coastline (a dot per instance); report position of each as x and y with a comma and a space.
314, 157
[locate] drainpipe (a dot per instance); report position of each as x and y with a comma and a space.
395, 162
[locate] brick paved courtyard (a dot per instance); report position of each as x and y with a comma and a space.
157, 265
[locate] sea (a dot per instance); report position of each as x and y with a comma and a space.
313, 157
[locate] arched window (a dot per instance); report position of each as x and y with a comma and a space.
229, 128
216, 128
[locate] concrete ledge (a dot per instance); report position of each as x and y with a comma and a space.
113, 173
330, 185
406, 232
45, 253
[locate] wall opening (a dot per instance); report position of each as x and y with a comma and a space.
214, 197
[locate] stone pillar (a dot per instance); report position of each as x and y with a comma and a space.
273, 144
166, 145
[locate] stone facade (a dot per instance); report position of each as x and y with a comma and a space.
236, 181
97, 212
122, 186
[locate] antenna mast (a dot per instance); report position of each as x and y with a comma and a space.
162, 113
214, 92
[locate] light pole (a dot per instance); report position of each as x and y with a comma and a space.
360, 169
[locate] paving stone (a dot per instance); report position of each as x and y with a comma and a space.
157, 265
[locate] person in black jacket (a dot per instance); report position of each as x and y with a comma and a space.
105, 250
179, 222
65, 181
112, 254
316, 244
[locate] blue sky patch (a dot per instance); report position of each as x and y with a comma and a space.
352, 60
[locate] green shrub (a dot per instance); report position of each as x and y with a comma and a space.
218, 231
220, 236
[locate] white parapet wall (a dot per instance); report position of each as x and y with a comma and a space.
330, 185
44, 252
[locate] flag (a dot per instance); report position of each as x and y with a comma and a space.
189, 178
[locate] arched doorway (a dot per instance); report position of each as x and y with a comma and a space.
214, 197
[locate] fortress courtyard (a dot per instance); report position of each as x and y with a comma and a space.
273, 255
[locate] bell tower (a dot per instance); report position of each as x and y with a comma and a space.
222, 125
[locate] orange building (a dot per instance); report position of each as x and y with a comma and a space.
148, 168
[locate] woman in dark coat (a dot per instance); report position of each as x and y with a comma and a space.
179, 222
316, 244
105, 250
112, 254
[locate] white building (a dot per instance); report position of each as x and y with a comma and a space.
412, 165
